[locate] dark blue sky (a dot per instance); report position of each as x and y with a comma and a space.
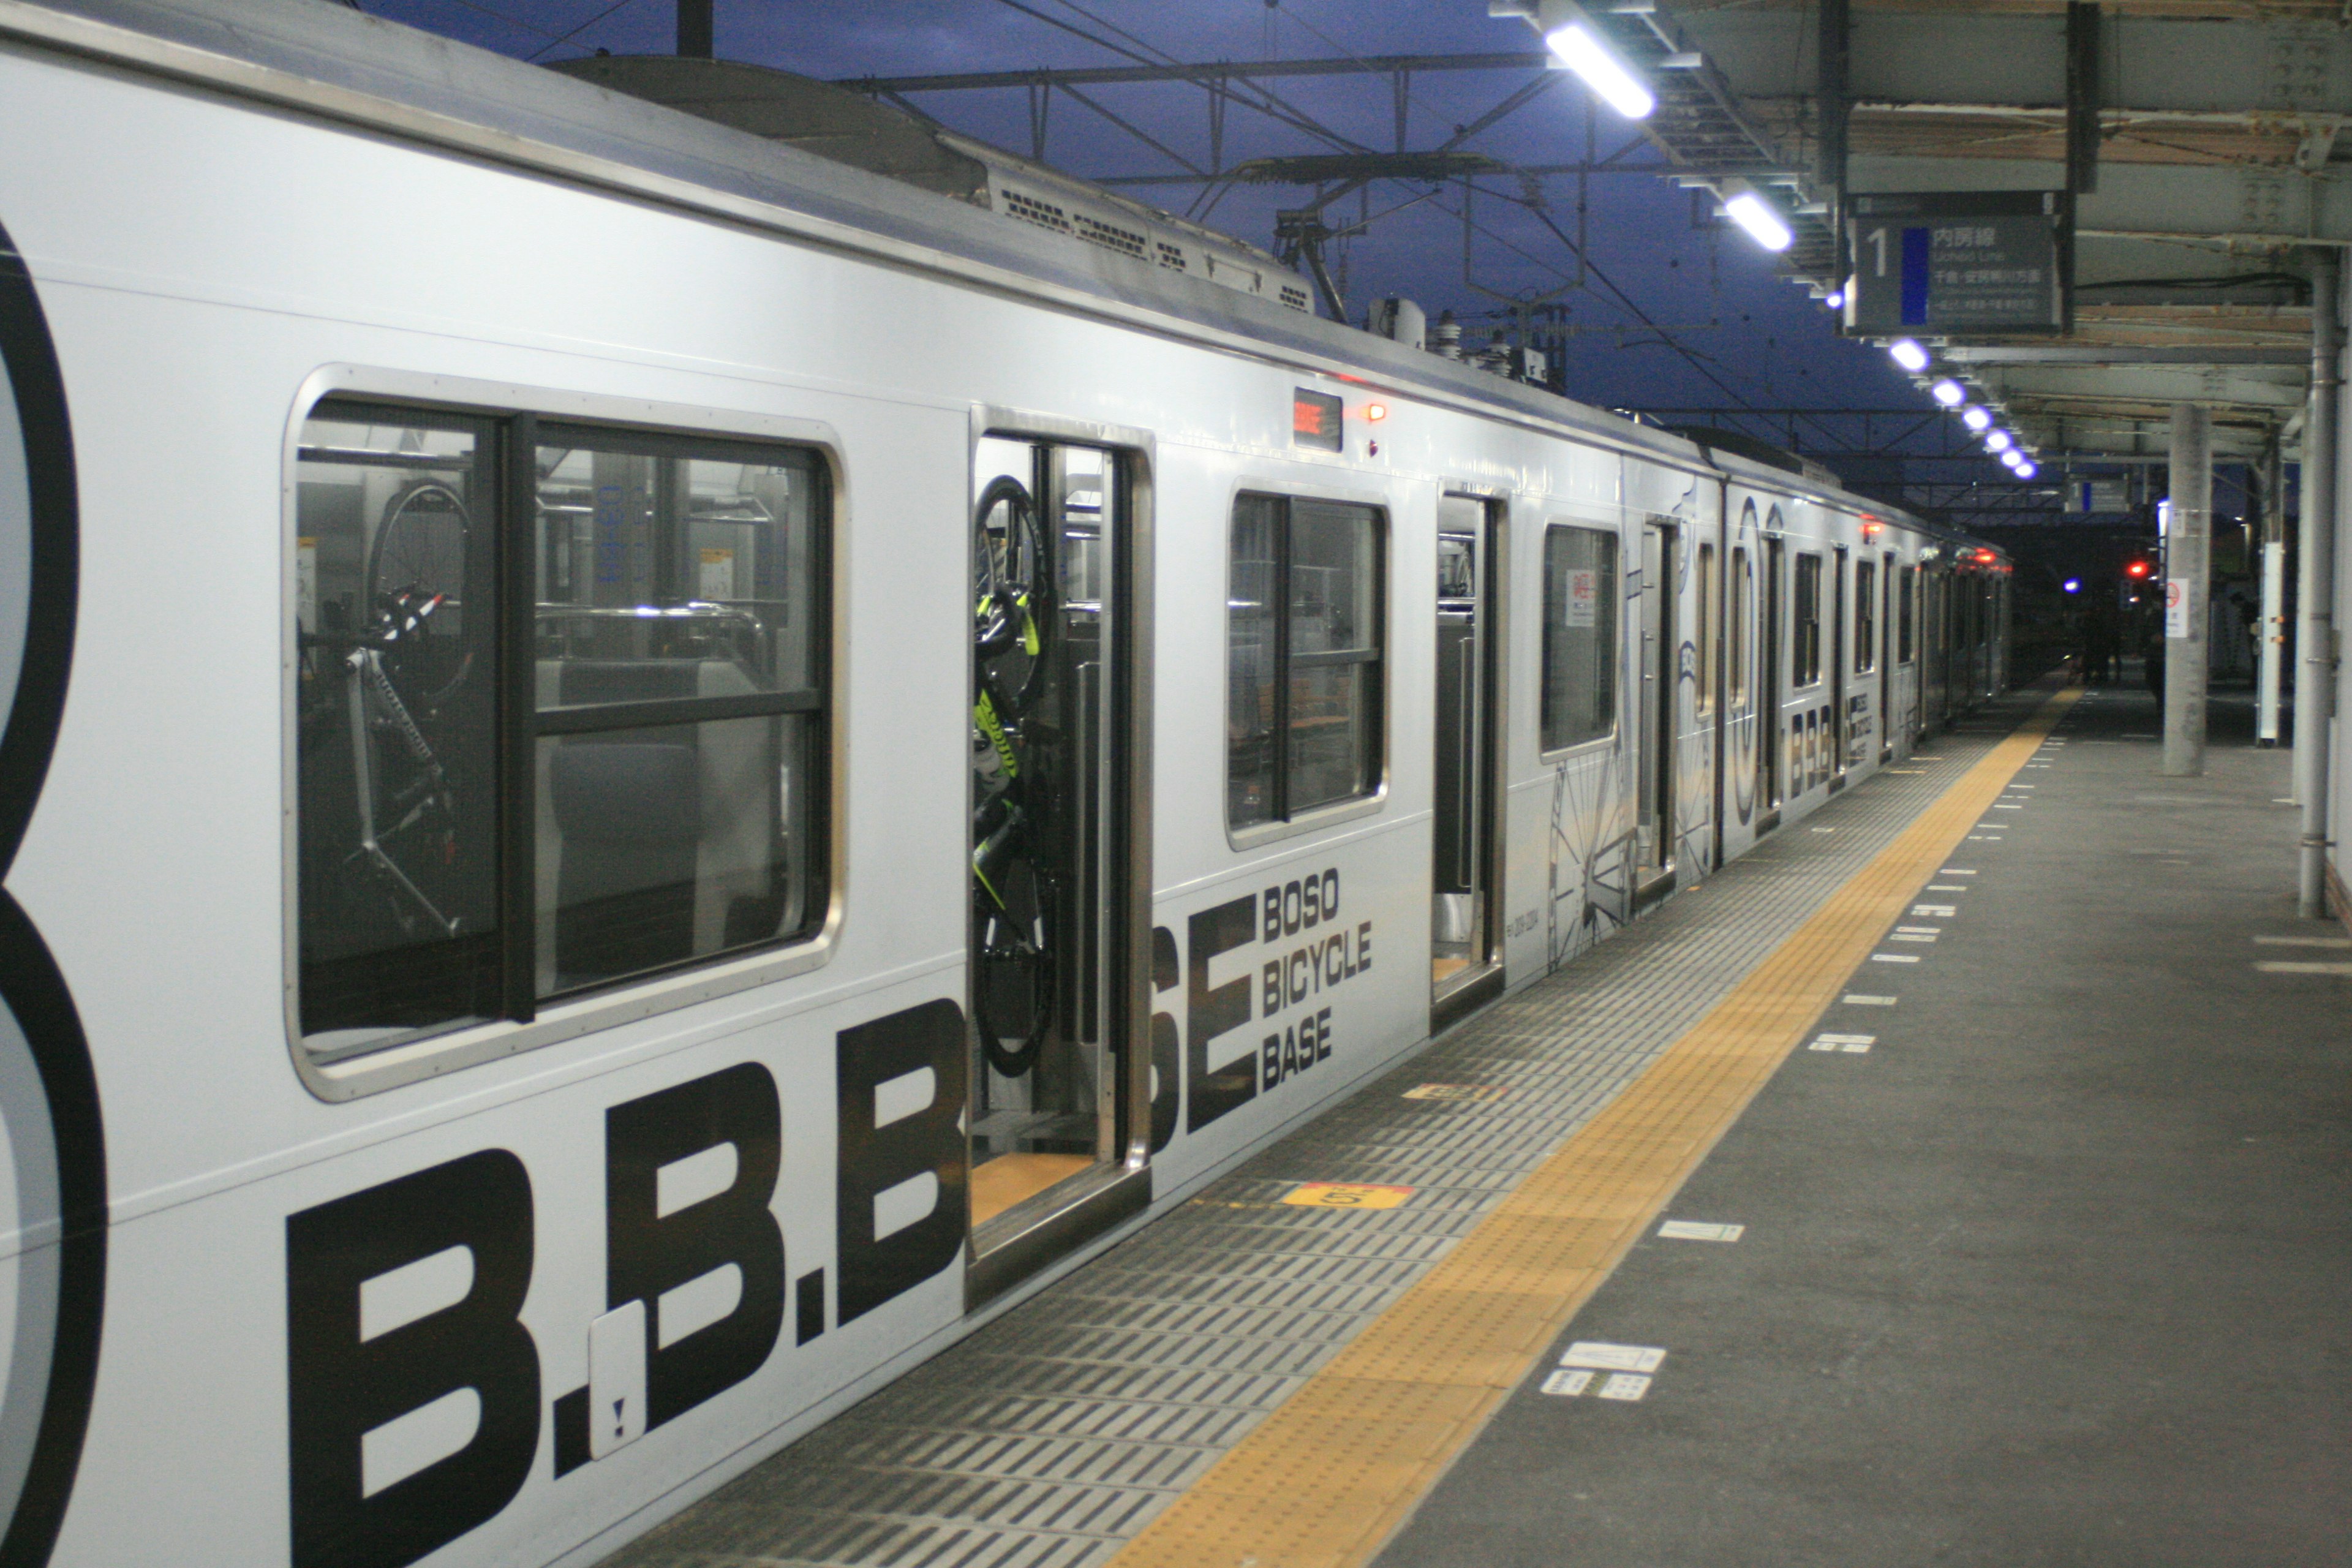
1766, 342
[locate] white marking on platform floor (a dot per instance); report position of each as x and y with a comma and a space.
1699, 1230
1608, 1357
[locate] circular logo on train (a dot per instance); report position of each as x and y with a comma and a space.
52, 1151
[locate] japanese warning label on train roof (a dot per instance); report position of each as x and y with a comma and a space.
1958, 261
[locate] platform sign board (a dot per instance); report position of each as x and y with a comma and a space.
2176, 608
1959, 262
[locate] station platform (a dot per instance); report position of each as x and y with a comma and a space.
1961, 1177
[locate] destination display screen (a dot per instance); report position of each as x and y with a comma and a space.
1314, 421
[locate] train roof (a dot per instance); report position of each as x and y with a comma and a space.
343, 65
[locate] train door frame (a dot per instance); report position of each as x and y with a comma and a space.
1841, 654
1471, 987
1772, 675
1050, 1224
1657, 683
1736, 671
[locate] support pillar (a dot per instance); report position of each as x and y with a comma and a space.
2269, 646
2187, 554
2314, 586
694, 28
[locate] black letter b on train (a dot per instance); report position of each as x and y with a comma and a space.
377, 1387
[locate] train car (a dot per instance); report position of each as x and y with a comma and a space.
646, 774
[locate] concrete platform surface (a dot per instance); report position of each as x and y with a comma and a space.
2057, 1271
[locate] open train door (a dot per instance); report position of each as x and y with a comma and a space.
1466, 869
1059, 870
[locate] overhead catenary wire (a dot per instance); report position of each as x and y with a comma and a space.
1143, 52
575, 32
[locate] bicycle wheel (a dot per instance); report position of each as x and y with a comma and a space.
420, 551
1013, 990
1013, 591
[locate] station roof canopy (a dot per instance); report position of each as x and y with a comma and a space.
2219, 155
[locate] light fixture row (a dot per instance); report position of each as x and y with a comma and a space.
1951, 396
1583, 46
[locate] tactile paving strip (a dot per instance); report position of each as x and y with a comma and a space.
1054, 1435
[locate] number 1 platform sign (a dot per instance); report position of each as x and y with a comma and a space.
1959, 262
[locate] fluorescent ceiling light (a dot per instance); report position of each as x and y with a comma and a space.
1834, 299
2025, 468
1754, 214
1998, 442
2011, 459
1909, 355
1974, 419
1949, 394
1603, 72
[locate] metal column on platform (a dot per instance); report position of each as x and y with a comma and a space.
2315, 583
2187, 556
2269, 646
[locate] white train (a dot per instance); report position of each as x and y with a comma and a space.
645, 772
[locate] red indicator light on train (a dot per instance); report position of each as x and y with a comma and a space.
1986, 557
1376, 411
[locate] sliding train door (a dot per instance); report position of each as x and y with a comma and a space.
1653, 829
1771, 666
1886, 651
1053, 862
1465, 870
1841, 722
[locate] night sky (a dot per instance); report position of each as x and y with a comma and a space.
1745, 337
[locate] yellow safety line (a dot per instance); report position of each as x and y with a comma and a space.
1325, 1480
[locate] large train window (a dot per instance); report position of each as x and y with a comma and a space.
1865, 616
1302, 658
540, 756
1578, 698
1806, 622
1906, 582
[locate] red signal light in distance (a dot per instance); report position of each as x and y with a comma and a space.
2136, 569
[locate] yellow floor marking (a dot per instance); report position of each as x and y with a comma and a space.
1325, 1480
1346, 1195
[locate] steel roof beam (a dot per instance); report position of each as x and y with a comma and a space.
1204, 71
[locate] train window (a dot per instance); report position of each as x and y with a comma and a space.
1302, 658
650, 799
1580, 637
1906, 588
1865, 616
1708, 630
396, 846
1806, 622
676, 688
1742, 593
